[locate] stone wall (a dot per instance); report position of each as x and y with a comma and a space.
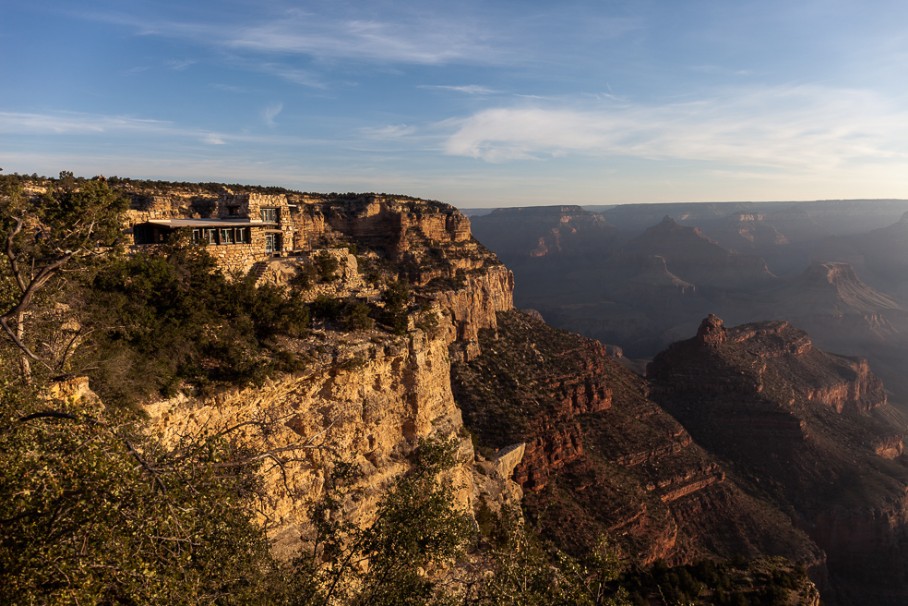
239, 258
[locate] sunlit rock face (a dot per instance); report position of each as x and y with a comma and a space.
365, 397
364, 401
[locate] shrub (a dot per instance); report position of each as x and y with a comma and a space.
167, 318
326, 266
95, 511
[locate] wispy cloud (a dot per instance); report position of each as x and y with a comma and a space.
798, 128
106, 127
390, 131
231, 88
291, 74
405, 36
75, 123
180, 64
271, 112
467, 89
423, 40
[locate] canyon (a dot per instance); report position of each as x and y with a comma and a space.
682, 443
831, 268
740, 443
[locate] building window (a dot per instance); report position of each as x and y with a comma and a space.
210, 235
269, 215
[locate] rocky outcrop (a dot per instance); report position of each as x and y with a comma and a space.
428, 243
553, 384
390, 223
860, 389
810, 430
602, 458
365, 400
712, 332
475, 305
366, 397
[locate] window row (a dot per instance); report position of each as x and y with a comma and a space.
221, 235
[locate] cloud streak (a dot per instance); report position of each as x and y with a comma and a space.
389, 132
407, 36
467, 89
798, 128
104, 127
421, 41
67, 123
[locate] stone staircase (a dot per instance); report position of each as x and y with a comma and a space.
258, 270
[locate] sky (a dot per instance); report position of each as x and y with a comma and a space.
476, 102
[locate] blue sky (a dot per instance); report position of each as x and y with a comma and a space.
477, 103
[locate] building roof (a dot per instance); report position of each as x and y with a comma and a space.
175, 223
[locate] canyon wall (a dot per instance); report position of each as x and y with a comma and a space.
366, 397
603, 459
812, 432
363, 400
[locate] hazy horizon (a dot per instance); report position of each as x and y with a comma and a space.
509, 104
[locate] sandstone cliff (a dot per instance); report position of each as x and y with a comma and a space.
366, 397
363, 399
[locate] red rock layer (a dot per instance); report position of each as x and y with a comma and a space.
811, 431
602, 458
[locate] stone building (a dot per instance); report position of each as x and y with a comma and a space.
239, 230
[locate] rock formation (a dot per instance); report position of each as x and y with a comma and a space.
601, 458
693, 257
808, 430
366, 397
364, 400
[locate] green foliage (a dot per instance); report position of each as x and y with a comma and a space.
326, 266
168, 318
347, 314
428, 321
95, 512
762, 582
44, 240
356, 316
396, 298
521, 571
416, 528
304, 277
327, 308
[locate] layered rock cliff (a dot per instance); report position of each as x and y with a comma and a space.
366, 397
808, 430
365, 400
602, 458
692, 256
